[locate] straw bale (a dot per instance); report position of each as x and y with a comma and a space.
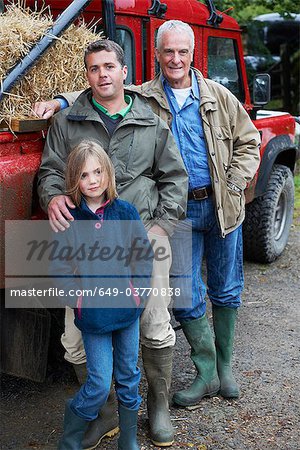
60, 68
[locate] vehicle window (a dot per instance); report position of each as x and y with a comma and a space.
125, 40
223, 65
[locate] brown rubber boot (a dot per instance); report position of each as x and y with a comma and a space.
158, 369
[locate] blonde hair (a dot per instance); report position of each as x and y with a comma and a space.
75, 163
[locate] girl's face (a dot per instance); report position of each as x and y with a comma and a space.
93, 181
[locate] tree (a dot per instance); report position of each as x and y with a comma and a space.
244, 10
267, 42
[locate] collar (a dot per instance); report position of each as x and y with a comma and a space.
121, 113
195, 87
101, 208
84, 206
83, 109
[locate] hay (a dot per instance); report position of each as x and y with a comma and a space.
60, 69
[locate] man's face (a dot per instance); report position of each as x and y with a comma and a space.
105, 76
175, 57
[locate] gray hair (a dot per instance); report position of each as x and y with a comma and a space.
176, 25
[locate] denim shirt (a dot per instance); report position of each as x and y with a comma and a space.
188, 133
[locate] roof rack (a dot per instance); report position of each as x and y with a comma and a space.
158, 9
214, 19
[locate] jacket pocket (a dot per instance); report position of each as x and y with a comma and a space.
234, 208
224, 145
130, 154
121, 152
142, 193
151, 194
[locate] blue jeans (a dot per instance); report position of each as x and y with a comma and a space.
224, 263
109, 354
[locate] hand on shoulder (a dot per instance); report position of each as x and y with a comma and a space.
58, 212
45, 110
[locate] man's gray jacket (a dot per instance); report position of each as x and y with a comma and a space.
150, 173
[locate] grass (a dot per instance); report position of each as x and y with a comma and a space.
297, 199
275, 105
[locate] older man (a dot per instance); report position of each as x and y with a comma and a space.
151, 175
220, 148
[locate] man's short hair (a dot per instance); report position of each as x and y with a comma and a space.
175, 25
107, 46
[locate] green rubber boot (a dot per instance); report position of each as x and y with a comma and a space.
158, 369
128, 429
106, 425
203, 355
74, 429
224, 323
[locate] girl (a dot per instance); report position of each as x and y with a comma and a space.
98, 256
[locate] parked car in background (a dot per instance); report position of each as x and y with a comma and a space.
272, 45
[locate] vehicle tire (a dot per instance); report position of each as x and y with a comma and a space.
269, 218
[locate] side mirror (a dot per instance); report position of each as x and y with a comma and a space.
261, 89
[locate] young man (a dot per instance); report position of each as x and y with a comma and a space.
149, 174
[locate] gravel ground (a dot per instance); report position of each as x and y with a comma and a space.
266, 364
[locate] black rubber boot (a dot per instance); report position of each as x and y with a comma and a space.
203, 355
158, 369
128, 429
74, 429
224, 324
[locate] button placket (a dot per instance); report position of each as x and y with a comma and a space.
100, 214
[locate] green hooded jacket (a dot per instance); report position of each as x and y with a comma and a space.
150, 173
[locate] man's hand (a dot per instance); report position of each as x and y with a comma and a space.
58, 212
45, 110
156, 229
